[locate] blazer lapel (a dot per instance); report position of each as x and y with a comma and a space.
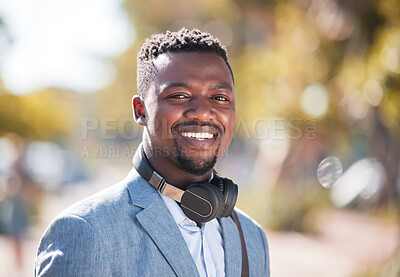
161, 227
232, 247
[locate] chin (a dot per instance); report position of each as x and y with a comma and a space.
196, 167
199, 165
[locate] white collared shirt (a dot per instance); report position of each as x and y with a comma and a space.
205, 244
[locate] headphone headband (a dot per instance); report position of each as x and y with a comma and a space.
143, 167
201, 201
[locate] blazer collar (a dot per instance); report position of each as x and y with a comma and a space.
160, 225
162, 228
142, 194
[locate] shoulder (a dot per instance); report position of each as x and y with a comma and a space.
74, 238
85, 216
81, 234
246, 221
103, 204
252, 231
112, 197
256, 244
96, 213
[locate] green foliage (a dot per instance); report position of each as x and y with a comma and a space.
284, 208
278, 48
45, 115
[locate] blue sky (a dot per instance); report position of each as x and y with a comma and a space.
61, 43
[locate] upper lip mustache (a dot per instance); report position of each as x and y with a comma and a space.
198, 127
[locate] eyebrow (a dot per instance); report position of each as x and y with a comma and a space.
221, 85
177, 84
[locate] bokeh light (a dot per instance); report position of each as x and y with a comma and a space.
329, 172
7, 156
46, 162
363, 178
373, 92
315, 100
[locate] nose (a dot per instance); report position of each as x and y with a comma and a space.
201, 109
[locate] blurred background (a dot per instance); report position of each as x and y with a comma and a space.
316, 151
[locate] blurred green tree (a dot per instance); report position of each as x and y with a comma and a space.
279, 48
49, 114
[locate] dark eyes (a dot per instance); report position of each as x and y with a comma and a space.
220, 98
178, 96
184, 96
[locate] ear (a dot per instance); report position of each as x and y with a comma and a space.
139, 111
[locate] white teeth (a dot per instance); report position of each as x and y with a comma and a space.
197, 135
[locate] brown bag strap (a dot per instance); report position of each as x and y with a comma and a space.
245, 259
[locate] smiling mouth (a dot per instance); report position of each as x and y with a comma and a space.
198, 136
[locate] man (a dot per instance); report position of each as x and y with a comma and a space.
186, 104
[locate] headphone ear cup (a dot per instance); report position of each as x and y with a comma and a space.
230, 197
201, 202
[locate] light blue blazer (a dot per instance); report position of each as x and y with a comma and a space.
127, 230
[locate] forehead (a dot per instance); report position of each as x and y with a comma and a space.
186, 66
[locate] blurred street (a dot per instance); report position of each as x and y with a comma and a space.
347, 242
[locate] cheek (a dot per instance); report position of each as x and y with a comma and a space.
229, 122
165, 119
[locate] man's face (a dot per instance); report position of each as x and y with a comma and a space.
190, 110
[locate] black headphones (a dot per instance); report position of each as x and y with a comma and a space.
202, 201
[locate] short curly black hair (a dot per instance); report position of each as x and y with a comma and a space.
183, 40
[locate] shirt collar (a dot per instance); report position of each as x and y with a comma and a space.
174, 208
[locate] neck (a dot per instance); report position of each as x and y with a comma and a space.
172, 173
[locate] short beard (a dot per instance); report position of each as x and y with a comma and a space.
194, 167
